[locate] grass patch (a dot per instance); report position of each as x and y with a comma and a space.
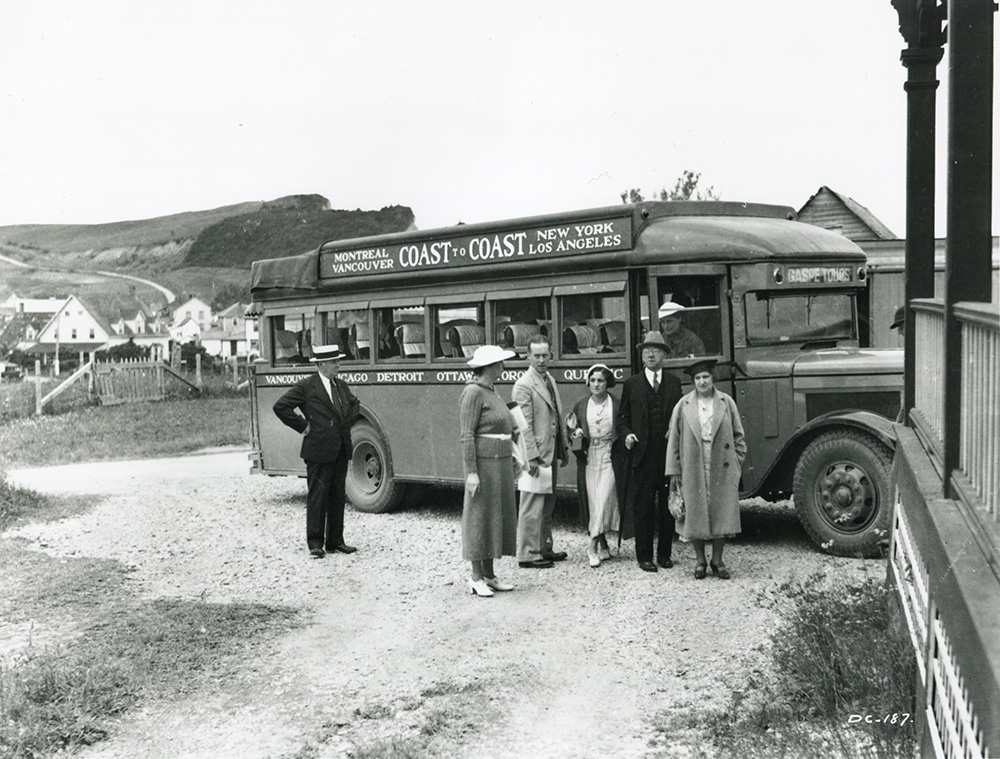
64, 697
18, 505
128, 431
836, 653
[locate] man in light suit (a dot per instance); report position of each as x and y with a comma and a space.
328, 408
648, 400
535, 393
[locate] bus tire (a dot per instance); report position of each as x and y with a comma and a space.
371, 486
841, 493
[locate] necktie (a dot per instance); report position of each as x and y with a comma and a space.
334, 397
656, 383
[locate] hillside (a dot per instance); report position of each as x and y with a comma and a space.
286, 227
196, 253
227, 237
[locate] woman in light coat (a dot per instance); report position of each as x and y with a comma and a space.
705, 452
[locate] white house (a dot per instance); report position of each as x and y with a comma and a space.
185, 331
75, 327
195, 309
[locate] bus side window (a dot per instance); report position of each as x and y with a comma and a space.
458, 330
593, 323
348, 330
696, 328
400, 333
517, 320
291, 341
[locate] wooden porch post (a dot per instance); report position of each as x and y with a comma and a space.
920, 25
968, 272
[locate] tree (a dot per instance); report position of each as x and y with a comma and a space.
686, 188
227, 294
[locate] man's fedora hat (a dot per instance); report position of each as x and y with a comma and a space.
489, 354
898, 318
670, 309
654, 340
326, 353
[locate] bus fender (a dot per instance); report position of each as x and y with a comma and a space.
779, 476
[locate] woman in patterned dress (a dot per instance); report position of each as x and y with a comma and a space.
593, 424
705, 452
489, 512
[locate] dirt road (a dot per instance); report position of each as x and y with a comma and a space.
576, 662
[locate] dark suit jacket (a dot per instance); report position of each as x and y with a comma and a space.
635, 411
329, 428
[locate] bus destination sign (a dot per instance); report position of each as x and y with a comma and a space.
470, 250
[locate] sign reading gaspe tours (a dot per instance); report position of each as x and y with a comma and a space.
469, 250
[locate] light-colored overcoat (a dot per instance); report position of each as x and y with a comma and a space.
543, 413
719, 514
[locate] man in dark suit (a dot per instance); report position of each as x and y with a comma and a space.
329, 409
648, 400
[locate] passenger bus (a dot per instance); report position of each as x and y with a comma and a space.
774, 300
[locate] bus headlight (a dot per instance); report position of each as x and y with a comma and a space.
779, 275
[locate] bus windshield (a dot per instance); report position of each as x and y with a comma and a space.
777, 318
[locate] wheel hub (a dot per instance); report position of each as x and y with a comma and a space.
847, 496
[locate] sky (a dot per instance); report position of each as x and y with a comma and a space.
463, 111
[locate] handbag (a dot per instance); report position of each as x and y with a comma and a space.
675, 501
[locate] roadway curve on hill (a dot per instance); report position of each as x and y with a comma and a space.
169, 294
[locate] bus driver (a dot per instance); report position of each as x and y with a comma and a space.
681, 341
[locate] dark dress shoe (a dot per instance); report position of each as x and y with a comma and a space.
699, 571
647, 566
665, 563
719, 570
342, 548
536, 564
317, 553
555, 556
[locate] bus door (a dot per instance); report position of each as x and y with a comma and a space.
699, 327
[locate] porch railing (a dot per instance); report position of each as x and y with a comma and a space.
979, 444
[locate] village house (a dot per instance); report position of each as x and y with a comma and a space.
229, 337
194, 309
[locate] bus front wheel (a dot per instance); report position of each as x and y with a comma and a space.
371, 486
842, 493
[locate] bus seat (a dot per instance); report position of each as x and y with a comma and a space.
466, 338
613, 337
543, 326
361, 336
581, 339
517, 335
410, 335
447, 348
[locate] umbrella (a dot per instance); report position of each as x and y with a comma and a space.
621, 509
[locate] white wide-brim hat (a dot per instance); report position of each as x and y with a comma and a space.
670, 309
326, 353
489, 354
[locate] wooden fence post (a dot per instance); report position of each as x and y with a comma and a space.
38, 395
197, 370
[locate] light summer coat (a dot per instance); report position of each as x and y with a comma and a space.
719, 515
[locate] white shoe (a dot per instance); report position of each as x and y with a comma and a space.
595, 560
480, 588
494, 583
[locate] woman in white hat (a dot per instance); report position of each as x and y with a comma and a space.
489, 513
594, 432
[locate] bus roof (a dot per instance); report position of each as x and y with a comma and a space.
600, 238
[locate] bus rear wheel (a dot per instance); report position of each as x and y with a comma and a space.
842, 493
371, 487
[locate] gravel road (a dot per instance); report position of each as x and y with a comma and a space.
575, 663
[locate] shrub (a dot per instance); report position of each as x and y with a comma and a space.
835, 653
